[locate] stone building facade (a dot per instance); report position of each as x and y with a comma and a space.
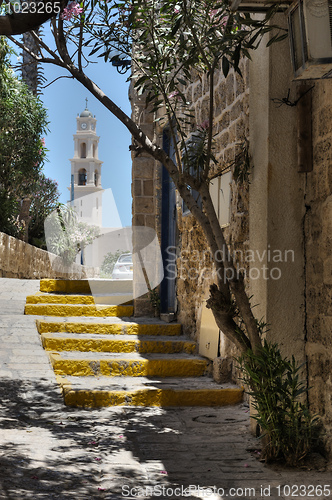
280, 224
318, 258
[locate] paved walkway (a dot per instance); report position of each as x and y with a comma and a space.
49, 451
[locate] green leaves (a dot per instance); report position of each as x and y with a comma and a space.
276, 388
23, 122
225, 66
277, 38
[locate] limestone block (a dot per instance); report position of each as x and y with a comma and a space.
322, 150
197, 91
229, 154
138, 220
325, 121
224, 141
143, 307
205, 109
315, 299
232, 134
28, 259
220, 98
328, 271
225, 120
14, 253
143, 205
315, 270
143, 168
241, 131
316, 333
240, 86
236, 110
314, 225
147, 128
230, 89
150, 221
21, 262
326, 322
327, 216
326, 247
148, 188
321, 183
320, 362
137, 187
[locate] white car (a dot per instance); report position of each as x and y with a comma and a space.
123, 268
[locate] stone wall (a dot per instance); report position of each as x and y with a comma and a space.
231, 125
146, 185
318, 256
21, 260
282, 210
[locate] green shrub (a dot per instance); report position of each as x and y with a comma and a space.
279, 398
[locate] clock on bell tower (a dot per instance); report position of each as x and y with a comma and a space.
86, 190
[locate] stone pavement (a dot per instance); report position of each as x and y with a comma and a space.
49, 451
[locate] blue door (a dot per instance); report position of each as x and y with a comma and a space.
168, 234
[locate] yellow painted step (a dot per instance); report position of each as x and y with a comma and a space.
126, 328
77, 310
128, 365
146, 397
91, 286
71, 342
65, 286
92, 392
60, 299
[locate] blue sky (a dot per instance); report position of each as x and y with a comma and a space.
64, 99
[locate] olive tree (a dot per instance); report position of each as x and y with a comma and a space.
170, 43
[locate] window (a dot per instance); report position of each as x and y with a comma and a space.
83, 150
94, 150
96, 178
82, 177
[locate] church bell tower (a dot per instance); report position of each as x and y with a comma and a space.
86, 190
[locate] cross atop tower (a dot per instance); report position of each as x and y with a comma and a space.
86, 103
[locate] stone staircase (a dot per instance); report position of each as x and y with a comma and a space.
103, 357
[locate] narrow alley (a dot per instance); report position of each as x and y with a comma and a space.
50, 451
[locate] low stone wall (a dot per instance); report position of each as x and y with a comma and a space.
21, 260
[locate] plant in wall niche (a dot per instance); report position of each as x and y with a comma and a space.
155, 299
279, 397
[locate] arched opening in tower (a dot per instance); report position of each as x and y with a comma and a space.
83, 150
82, 177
